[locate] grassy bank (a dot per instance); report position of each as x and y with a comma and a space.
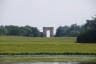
19, 44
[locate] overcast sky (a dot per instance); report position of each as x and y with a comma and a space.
41, 13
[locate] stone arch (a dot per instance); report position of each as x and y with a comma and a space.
45, 29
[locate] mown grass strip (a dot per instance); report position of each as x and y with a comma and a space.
19, 44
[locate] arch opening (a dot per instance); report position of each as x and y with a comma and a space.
48, 34
48, 31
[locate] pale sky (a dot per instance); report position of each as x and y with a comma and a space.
39, 13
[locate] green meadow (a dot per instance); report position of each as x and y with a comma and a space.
20, 44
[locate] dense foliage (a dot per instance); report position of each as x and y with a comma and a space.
20, 31
89, 34
62, 31
68, 31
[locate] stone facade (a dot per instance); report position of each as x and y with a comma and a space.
45, 29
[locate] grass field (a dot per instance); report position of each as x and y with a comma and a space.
19, 44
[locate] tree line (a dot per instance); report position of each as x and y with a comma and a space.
68, 31
62, 31
20, 31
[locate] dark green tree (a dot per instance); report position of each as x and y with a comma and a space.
74, 30
35, 32
68, 31
3, 30
60, 32
12, 30
89, 34
25, 31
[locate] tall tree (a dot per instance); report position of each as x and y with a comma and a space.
25, 31
74, 30
35, 32
60, 32
3, 30
89, 35
12, 30
68, 31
